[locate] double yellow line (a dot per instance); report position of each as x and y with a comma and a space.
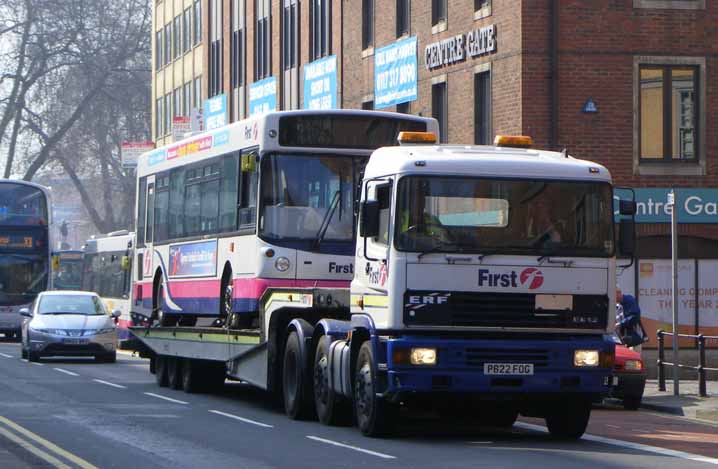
40, 447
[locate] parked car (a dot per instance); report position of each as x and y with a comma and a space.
631, 375
69, 323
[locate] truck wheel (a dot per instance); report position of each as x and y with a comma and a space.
174, 372
190, 376
295, 383
331, 409
161, 370
632, 402
569, 421
375, 416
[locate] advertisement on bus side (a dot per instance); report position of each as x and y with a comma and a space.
193, 259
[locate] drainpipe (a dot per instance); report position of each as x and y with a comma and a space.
553, 142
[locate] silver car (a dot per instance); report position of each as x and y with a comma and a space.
69, 323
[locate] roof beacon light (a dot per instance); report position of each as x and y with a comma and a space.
416, 137
516, 141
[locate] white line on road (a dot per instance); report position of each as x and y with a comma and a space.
36, 363
242, 419
354, 448
628, 444
5, 355
67, 372
110, 384
166, 398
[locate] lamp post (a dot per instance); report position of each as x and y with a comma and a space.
674, 278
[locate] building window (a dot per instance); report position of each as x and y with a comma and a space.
215, 48
187, 29
439, 108
186, 98
481, 4
403, 108
158, 50
158, 118
367, 15
168, 43
238, 44
177, 37
321, 28
197, 22
367, 105
482, 108
290, 43
197, 95
168, 113
177, 99
668, 113
262, 40
438, 11
402, 17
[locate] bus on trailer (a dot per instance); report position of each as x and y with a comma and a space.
270, 201
68, 275
107, 271
25, 249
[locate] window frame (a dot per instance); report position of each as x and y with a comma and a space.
177, 37
321, 26
670, 4
159, 48
443, 119
439, 15
367, 16
403, 18
187, 29
197, 22
262, 39
486, 111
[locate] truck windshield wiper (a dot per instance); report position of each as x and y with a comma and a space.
325, 221
441, 247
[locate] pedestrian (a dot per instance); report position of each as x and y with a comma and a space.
628, 321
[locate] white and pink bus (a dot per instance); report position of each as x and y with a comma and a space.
270, 201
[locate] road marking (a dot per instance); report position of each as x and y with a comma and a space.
47, 444
110, 384
34, 450
629, 445
36, 363
5, 355
354, 448
67, 372
166, 398
242, 419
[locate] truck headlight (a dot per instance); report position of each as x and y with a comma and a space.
282, 264
423, 356
633, 365
585, 358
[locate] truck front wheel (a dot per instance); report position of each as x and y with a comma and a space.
375, 416
331, 409
569, 421
295, 384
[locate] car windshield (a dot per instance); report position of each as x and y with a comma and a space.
71, 304
441, 214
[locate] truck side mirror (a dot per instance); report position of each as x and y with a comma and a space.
369, 219
627, 207
55, 263
125, 263
627, 237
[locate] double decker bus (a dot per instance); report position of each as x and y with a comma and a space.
268, 202
25, 249
107, 261
68, 275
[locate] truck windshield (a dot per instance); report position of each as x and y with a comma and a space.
526, 217
305, 197
22, 277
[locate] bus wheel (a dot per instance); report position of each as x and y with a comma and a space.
295, 383
331, 410
161, 370
375, 416
174, 372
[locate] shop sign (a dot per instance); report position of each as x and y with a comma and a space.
476, 43
263, 96
395, 72
694, 205
320, 84
131, 151
215, 112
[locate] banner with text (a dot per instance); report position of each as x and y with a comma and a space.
395, 73
320, 84
215, 112
263, 96
694, 205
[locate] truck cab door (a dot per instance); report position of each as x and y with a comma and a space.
374, 250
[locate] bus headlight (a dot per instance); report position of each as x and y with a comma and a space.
423, 356
282, 264
585, 358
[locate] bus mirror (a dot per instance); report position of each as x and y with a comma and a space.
627, 237
125, 263
627, 207
369, 221
56, 263
249, 163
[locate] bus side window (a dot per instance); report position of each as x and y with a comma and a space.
141, 212
229, 193
248, 196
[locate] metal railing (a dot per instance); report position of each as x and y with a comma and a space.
701, 368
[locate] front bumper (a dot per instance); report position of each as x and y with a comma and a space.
62, 345
460, 366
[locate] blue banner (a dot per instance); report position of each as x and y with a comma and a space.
395, 73
263, 96
320, 84
215, 112
194, 259
694, 205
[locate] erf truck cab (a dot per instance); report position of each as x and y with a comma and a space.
485, 278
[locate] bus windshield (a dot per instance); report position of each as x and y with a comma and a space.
69, 276
308, 197
486, 216
22, 276
22, 205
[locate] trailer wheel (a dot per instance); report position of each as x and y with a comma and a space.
375, 416
190, 376
174, 372
331, 409
161, 370
569, 421
295, 383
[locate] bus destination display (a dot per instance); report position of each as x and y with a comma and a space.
17, 241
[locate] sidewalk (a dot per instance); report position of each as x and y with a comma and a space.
688, 404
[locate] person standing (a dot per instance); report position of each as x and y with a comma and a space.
628, 321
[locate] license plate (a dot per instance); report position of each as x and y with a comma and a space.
554, 302
75, 341
508, 368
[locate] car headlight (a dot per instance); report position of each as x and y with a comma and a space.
423, 356
585, 358
282, 264
49, 331
633, 365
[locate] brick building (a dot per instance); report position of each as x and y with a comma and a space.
628, 83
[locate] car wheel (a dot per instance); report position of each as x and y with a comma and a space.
33, 356
632, 402
23, 353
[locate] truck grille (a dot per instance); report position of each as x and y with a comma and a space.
473, 309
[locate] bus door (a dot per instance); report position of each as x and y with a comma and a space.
143, 246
